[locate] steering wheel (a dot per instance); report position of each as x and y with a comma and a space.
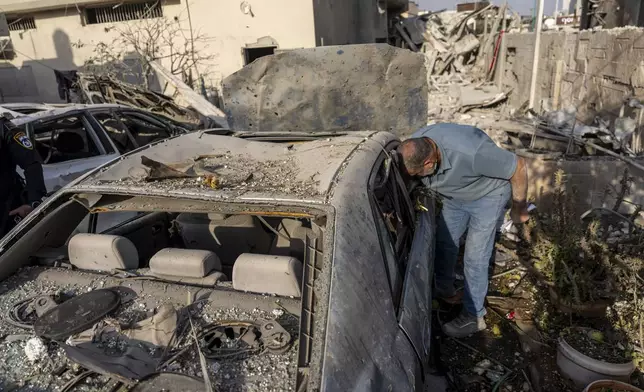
50, 146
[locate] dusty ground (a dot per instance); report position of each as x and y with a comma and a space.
503, 356
518, 350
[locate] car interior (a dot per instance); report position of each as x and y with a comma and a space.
131, 130
250, 253
229, 258
64, 139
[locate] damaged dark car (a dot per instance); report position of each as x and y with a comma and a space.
244, 262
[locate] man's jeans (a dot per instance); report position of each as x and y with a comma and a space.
480, 218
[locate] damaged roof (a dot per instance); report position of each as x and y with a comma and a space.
209, 166
50, 111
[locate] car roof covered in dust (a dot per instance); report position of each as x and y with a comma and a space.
228, 167
51, 111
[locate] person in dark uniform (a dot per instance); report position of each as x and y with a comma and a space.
17, 200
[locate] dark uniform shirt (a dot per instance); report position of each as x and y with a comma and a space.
16, 149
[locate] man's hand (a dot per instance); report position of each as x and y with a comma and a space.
519, 212
519, 181
21, 211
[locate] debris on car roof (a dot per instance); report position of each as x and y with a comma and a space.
237, 166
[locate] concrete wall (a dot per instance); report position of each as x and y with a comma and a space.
60, 40
591, 178
592, 70
341, 22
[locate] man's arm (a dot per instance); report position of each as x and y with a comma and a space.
519, 182
495, 162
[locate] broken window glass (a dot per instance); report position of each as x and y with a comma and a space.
145, 129
64, 139
394, 222
117, 131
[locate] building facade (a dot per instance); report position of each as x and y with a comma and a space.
48, 35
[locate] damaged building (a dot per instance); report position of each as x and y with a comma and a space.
43, 36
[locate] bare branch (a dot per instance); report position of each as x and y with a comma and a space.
158, 39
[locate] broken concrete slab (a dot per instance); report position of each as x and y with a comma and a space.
472, 96
333, 88
466, 44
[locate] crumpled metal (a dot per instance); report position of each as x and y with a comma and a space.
132, 353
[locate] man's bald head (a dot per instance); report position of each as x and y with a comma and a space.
419, 155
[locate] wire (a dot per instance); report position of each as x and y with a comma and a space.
269, 227
502, 380
73, 382
13, 316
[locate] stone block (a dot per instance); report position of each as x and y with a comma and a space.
331, 88
598, 53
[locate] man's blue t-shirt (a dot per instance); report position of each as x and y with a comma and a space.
472, 166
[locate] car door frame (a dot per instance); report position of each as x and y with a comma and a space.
148, 117
114, 112
415, 312
414, 308
61, 170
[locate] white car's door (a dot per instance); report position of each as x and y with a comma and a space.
58, 175
69, 147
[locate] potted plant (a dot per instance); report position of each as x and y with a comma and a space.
611, 386
584, 355
574, 259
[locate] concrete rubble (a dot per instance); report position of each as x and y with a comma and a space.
454, 42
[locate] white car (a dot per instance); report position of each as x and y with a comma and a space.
73, 139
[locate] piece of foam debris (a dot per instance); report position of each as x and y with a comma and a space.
35, 349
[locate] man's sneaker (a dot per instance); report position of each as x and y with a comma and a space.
464, 325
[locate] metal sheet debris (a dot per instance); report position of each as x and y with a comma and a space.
332, 88
191, 98
472, 96
96, 89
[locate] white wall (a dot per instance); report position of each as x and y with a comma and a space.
60, 41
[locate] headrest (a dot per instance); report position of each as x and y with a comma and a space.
189, 263
69, 142
278, 275
102, 252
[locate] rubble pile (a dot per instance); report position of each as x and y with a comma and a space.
621, 135
462, 50
151, 330
454, 42
555, 134
95, 89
